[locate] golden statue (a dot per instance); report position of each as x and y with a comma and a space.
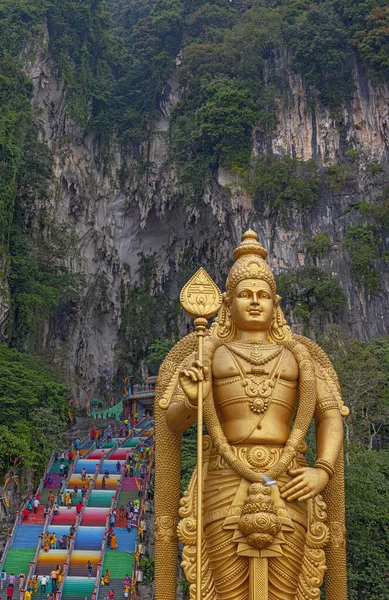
270, 525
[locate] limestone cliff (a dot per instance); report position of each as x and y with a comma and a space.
119, 213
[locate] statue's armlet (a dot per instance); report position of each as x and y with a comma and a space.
326, 396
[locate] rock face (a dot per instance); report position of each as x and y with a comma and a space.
117, 213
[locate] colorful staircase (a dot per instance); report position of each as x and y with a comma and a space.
24, 553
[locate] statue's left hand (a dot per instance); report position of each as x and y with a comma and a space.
306, 483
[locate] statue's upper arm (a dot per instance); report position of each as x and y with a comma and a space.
326, 393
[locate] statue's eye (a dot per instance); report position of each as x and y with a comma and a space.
243, 295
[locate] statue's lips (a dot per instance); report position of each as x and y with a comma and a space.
255, 312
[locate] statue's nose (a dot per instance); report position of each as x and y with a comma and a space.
255, 299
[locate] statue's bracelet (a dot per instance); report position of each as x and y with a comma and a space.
189, 405
326, 466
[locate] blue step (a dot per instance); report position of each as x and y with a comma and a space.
110, 466
90, 465
27, 536
89, 538
125, 539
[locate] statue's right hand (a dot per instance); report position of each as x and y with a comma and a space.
190, 378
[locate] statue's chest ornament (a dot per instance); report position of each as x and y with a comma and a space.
258, 384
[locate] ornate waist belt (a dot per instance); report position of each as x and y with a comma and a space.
258, 458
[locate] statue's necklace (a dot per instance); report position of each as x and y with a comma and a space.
259, 385
255, 355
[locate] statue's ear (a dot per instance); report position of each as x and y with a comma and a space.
277, 299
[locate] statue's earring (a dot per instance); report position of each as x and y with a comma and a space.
224, 320
279, 329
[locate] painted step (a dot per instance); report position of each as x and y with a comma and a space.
110, 444
35, 518
110, 466
89, 465
125, 497
55, 466
95, 516
18, 560
117, 585
102, 498
119, 564
47, 561
79, 561
89, 538
78, 588
129, 484
125, 539
64, 517
110, 483
46, 492
120, 454
97, 454
131, 442
27, 536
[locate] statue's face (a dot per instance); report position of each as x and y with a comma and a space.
252, 305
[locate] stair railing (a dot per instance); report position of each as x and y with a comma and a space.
10, 539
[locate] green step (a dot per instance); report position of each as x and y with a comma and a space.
109, 444
18, 560
101, 498
131, 443
125, 497
55, 466
78, 587
45, 494
119, 564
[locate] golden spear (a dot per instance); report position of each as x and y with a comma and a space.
201, 299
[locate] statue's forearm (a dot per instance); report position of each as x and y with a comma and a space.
329, 436
179, 417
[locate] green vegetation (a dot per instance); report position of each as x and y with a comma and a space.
148, 314
318, 245
322, 54
338, 175
363, 373
146, 564
310, 295
280, 185
33, 410
378, 212
367, 21
362, 244
188, 456
158, 351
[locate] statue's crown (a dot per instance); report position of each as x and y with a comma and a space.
250, 245
250, 263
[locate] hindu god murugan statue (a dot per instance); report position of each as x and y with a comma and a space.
272, 525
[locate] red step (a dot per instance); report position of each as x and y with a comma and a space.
129, 484
120, 454
65, 516
35, 519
